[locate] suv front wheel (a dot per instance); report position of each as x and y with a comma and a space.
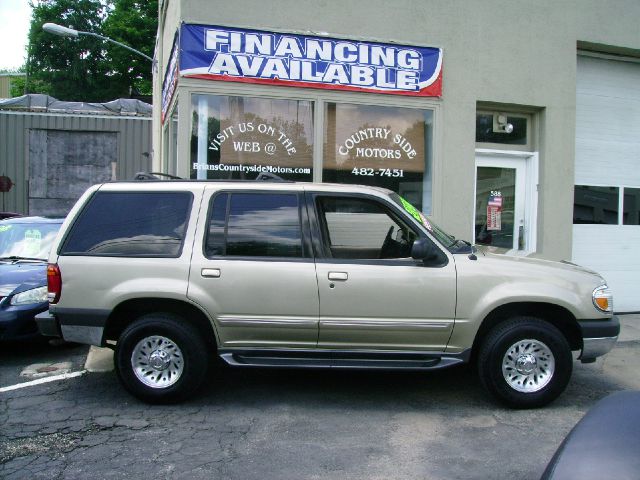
160, 358
525, 362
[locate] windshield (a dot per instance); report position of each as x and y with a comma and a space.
448, 241
27, 240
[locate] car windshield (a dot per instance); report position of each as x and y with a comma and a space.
29, 240
447, 240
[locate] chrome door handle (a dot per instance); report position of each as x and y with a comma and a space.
210, 272
338, 276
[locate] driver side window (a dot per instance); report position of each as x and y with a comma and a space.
358, 228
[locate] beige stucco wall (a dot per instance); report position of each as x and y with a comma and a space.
518, 53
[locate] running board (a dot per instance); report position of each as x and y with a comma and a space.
343, 359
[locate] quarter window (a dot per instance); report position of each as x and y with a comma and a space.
254, 225
131, 225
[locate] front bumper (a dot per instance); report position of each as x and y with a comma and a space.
17, 322
598, 337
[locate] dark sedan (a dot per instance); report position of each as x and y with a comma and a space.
25, 243
603, 445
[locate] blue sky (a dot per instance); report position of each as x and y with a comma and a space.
15, 16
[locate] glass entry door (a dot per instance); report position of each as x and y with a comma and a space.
500, 203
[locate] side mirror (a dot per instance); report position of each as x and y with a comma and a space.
422, 249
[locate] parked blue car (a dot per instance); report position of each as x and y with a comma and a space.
25, 243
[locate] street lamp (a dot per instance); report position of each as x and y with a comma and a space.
70, 32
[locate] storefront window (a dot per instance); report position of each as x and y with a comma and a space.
241, 137
388, 147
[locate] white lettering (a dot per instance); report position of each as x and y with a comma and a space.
288, 46
249, 65
223, 64
309, 72
362, 76
318, 49
407, 80
383, 56
346, 52
236, 42
336, 73
258, 43
275, 67
409, 59
214, 38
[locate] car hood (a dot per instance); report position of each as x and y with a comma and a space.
541, 263
21, 276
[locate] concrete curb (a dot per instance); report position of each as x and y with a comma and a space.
99, 360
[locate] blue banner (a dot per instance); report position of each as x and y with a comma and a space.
253, 56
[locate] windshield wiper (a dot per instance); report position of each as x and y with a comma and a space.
17, 258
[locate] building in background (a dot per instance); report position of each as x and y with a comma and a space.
52, 151
6, 82
486, 115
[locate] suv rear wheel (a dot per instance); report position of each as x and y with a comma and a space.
160, 358
525, 362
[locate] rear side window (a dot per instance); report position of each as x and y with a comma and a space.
126, 224
254, 225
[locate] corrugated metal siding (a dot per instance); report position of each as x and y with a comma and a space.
5, 87
134, 146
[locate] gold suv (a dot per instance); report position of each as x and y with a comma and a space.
279, 274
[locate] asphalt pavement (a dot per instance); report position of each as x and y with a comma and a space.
285, 424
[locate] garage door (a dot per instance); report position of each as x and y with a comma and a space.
606, 230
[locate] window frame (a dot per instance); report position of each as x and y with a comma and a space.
305, 234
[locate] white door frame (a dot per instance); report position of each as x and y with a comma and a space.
530, 200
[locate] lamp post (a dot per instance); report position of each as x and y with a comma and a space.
70, 32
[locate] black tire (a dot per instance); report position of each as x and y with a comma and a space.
180, 353
544, 364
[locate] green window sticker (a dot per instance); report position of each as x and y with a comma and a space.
415, 213
33, 242
5, 228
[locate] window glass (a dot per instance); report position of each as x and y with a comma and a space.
597, 205
383, 146
32, 240
488, 129
257, 225
241, 137
631, 210
362, 229
215, 242
131, 224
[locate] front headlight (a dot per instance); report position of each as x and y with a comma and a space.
35, 295
603, 299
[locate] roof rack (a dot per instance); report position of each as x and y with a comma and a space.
154, 176
269, 177
150, 176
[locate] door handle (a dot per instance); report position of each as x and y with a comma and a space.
210, 272
338, 276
